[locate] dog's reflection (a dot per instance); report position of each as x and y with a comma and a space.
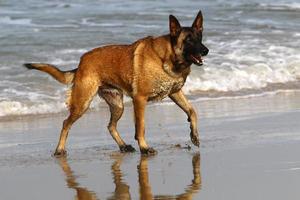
122, 189
81, 192
145, 187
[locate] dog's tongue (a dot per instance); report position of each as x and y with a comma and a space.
197, 59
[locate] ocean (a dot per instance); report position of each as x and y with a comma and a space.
254, 45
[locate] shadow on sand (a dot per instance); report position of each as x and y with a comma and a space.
122, 189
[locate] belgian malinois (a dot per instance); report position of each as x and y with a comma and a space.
151, 68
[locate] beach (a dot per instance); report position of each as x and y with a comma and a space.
248, 151
246, 95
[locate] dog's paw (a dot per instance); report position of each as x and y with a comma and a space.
148, 152
195, 139
127, 149
60, 153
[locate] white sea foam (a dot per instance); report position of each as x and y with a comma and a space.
56, 25
28, 22
280, 6
8, 20
7, 145
234, 79
8, 108
59, 61
89, 22
38, 106
72, 51
297, 34
145, 26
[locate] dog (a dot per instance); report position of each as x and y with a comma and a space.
149, 69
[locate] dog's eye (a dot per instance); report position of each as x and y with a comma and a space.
188, 39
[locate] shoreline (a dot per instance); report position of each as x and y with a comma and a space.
249, 150
194, 99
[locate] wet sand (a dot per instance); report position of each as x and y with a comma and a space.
249, 150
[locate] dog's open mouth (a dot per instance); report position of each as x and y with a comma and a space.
197, 59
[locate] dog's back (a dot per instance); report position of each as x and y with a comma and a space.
111, 64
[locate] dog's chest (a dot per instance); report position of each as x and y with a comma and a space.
165, 85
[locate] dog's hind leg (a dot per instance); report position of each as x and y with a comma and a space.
114, 98
83, 92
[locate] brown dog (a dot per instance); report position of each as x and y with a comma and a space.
151, 68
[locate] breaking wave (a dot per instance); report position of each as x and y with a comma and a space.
232, 79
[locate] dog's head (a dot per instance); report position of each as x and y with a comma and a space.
187, 41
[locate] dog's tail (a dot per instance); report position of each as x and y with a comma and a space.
64, 77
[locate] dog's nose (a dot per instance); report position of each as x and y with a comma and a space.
205, 52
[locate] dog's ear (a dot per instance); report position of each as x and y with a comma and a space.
198, 22
175, 27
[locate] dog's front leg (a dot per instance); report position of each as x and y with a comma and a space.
139, 103
180, 99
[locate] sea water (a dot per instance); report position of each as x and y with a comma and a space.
254, 45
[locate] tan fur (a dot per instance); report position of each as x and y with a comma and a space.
145, 70
68, 97
64, 77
